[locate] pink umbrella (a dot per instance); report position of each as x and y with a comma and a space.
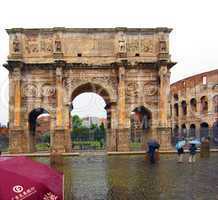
24, 179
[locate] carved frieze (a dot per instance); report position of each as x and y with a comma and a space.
132, 89
147, 46
137, 45
150, 88
39, 43
31, 44
16, 45
48, 90
29, 90
35, 44
46, 44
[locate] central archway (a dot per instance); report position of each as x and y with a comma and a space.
96, 127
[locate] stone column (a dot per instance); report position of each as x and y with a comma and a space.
164, 129
123, 136
59, 132
112, 139
17, 97
18, 142
210, 104
67, 127
164, 93
59, 98
198, 107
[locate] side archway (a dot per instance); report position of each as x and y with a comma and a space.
141, 123
39, 124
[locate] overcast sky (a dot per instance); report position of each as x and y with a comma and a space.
193, 44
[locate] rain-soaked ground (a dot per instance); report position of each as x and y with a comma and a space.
132, 178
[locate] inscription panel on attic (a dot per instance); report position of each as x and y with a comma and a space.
37, 43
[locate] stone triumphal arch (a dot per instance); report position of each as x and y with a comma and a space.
48, 68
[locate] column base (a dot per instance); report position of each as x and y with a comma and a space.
18, 141
111, 140
60, 143
123, 140
164, 137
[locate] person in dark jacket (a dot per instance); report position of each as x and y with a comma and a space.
192, 152
180, 152
151, 152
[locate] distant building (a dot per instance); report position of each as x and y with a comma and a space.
194, 106
88, 121
4, 130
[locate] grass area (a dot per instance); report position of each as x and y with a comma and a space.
4, 149
135, 145
87, 144
42, 147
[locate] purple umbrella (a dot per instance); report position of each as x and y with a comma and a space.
24, 179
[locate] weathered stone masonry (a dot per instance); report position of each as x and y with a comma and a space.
128, 67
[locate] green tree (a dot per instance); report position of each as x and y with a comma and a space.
77, 122
45, 138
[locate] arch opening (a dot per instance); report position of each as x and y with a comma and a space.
204, 104
175, 135
39, 130
184, 108
90, 117
215, 103
204, 130
215, 132
141, 122
192, 131
183, 131
193, 104
176, 109
176, 97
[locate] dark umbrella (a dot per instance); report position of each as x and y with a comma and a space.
22, 178
153, 142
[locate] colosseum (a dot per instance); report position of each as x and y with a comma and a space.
195, 107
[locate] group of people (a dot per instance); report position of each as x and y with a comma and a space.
192, 153
153, 147
204, 150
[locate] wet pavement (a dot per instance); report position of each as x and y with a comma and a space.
133, 178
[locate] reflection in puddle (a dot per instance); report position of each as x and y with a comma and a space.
131, 177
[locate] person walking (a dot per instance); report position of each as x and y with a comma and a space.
192, 152
180, 152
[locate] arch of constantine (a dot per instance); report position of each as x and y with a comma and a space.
49, 67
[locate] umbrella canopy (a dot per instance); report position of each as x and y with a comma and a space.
194, 142
22, 178
180, 144
153, 142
